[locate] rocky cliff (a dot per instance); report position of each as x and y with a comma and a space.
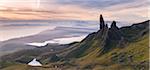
125, 48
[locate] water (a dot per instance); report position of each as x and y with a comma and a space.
58, 41
21, 28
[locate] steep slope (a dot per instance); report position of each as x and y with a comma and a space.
125, 48
133, 56
102, 40
132, 32
114, 46
92, 42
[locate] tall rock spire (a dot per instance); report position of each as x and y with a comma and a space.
102, 23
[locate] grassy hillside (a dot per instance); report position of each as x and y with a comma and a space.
113, 48
135, 56
129, 53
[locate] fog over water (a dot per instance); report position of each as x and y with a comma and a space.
22, 28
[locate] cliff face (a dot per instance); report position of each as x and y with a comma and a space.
107, 49
113, 38
114, 46
105, 38
102, 23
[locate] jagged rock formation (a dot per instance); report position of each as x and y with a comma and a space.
107, 49
102, 23
105, 38
113, 38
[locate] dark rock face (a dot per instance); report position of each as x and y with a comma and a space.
105, 38
114, 26
132, 32
102, 23
114, 33
112, 36
98, 44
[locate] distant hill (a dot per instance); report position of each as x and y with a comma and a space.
114, 48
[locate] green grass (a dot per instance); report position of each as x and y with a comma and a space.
88, 54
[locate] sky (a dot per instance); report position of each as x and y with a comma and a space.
124, 11
119, 10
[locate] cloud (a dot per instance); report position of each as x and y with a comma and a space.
97, 4
78, 10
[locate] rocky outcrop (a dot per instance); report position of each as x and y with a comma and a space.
114, 26
98, 49
109, 37
113, 38
114, 32
105, 39
102, 23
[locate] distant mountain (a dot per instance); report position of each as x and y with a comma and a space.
114, 48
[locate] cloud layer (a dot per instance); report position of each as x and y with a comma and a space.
120, 10
94, 3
